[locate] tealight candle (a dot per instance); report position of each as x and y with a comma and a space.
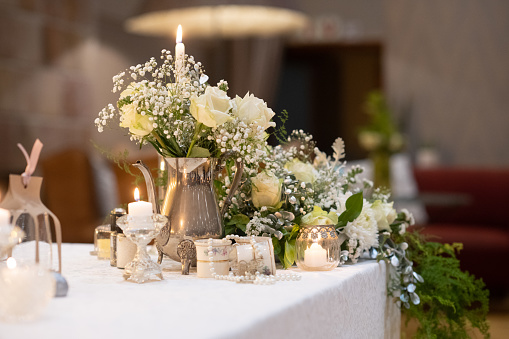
315, 256
139, 208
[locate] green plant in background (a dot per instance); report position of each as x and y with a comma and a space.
452, 301
380, 137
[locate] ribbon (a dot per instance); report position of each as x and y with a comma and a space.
31, 160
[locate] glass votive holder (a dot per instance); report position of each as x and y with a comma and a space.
102, 241
317, 248
25, 290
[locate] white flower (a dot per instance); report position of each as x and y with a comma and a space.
362, 232
252, 110
384, 214
212, 107
302, 171
138, 124
266, 190
129, 91
320, 217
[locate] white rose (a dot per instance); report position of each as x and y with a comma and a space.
320, 217
266, 190
138, 124
252, 110
129, 91
212, 107
384, 214
303, 171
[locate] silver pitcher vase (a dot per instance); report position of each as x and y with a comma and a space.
190, 202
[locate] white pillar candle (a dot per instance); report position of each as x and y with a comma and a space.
139, 208
5, 217
315, 256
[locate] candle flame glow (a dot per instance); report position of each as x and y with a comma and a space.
11, 263
161, 165
136, 194
179, 34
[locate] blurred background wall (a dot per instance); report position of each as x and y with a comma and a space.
443, 65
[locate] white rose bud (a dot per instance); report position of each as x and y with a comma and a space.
303, 171
212, 107
266, 190
252, 110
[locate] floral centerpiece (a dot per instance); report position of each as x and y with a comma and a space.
172, 107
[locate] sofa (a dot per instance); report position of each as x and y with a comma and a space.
470, 206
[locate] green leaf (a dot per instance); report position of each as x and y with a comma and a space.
238, 219
199, 152
290, 254
294, 233
277, 246
229, 229
353, 209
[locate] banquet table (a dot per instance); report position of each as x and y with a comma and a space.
348, 302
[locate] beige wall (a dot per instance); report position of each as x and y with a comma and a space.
446, 70
447, 75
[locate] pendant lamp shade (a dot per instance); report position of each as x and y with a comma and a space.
227, 19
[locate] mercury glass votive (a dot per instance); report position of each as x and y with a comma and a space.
317, 248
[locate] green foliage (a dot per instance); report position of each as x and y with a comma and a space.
237, 222
452, 300
285, 248
280, 133
121, 160
380, 113
353, 209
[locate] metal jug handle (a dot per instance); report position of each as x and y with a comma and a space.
236, 178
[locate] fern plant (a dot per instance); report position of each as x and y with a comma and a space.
452, 300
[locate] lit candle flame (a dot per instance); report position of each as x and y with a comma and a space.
136, 194
11, 263
179, 34
161, 165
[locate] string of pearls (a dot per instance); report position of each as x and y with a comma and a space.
257, 278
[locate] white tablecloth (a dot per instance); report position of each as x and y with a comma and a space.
348, 302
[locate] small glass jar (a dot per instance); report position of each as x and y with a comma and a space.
317, 248
102, 241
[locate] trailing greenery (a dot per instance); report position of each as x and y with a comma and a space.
452, 300
121, 160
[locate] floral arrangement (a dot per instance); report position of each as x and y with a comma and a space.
381, 133
380, 137
300, 185
172, 107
